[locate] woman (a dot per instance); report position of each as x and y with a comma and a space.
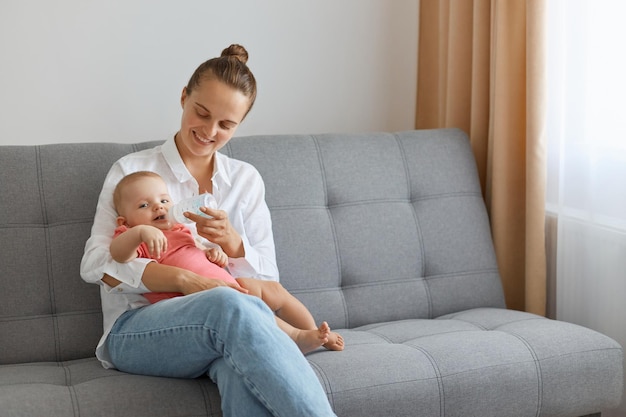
224, 333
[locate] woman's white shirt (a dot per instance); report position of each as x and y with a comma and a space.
238, 189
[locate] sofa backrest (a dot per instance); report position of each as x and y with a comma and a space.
368, 228
48, 197
374, 227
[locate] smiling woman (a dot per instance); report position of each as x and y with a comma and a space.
207, 325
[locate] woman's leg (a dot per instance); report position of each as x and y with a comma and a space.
293, 317
186, 336
233, 391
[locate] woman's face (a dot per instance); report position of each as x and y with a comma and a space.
211, 114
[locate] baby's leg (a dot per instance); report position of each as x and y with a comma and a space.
292, 313
285, 305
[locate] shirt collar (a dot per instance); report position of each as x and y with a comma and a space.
221, 171
173, 159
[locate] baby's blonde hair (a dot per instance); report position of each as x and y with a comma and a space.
127, 180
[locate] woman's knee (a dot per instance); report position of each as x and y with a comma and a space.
218, 309
229, 301
220, 298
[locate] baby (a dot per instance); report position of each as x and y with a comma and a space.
144, 230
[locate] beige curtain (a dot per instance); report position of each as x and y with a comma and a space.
481, 69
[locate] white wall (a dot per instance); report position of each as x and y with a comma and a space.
113, 70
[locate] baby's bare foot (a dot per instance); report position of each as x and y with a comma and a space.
309, 340
335, 342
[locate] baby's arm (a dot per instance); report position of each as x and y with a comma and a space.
124, 247
217, 256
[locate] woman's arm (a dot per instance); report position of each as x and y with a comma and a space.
165, 278
246, 232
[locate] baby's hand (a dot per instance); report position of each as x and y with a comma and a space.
217, 256
154, 239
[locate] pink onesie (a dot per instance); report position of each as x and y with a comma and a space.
183, 253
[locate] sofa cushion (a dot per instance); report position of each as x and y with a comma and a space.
480, 362
83, 387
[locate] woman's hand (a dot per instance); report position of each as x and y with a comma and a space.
219, 230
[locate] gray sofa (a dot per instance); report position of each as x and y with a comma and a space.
385, 236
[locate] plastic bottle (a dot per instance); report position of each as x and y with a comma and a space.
192, 205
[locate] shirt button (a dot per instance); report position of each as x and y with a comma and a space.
120, 290
231, 264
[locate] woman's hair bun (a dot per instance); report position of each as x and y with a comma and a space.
236, 51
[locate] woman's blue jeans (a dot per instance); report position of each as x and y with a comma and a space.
231, 336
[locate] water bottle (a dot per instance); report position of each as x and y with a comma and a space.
192, 205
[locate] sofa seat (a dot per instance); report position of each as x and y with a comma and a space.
518, 363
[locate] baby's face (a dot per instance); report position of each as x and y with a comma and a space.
146, 201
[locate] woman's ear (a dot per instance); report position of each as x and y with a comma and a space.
183, 97
121, 221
